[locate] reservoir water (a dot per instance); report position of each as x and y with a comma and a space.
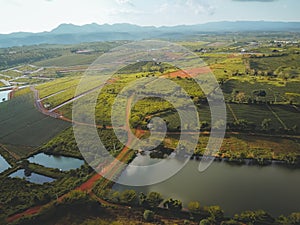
3, 164
4, 95
59, 162
273, 188
34, 177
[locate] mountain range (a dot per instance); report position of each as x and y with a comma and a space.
71, 34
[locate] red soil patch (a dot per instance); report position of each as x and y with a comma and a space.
189, 73
88, 185
232, 56
28, 212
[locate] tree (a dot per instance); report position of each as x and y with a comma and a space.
234, 93
270, 73
173, 204
194, 207
219, 124
205, 222
148, 215
294, 218
204, 125
241, 97
265, 124
25, 164
283, 220
142, 199
128, 197
231, 222
216, 213
76, 196
115, 197
259, 217
241, 124
259, 93
154, 199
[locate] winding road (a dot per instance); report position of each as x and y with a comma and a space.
109, 171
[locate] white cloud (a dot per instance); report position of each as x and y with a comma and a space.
125, 2
200, 7
197, 7
122, 1
120, 11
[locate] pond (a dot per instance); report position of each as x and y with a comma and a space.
3, 164
273, 188
4, 96
34, 177
59, 162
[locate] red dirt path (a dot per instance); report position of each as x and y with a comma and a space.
87, 186
28, 212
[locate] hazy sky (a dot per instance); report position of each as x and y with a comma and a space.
44, 15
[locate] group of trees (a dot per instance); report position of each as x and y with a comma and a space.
23, 55
153, 200
212, 215
18, 194
258, 217
265, 125
65, 143
145, 67
257, 97
150, 201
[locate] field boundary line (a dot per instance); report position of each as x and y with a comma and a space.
14, 155
277, 117
232, 112
295, 107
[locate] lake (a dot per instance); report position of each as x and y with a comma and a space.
3, 164
273, 188
59, 162
34, 177
4, 95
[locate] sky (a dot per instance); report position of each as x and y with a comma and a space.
45, 15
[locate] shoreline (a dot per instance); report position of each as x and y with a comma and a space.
249, 161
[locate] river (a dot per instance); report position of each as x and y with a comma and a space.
273, 188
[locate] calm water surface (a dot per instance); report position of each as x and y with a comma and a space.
274, 188
4, 95
34, 177
3, 164
59, 162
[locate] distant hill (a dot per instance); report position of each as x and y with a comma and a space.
71, 34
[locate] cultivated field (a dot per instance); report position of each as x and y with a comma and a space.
22, 125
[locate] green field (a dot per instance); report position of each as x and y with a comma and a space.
278, 63
69, 60
288, 114
277, 91
261, 90
283, 115
22, 125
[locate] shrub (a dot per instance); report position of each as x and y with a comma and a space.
148, 215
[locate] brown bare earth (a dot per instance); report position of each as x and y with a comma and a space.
188, 73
